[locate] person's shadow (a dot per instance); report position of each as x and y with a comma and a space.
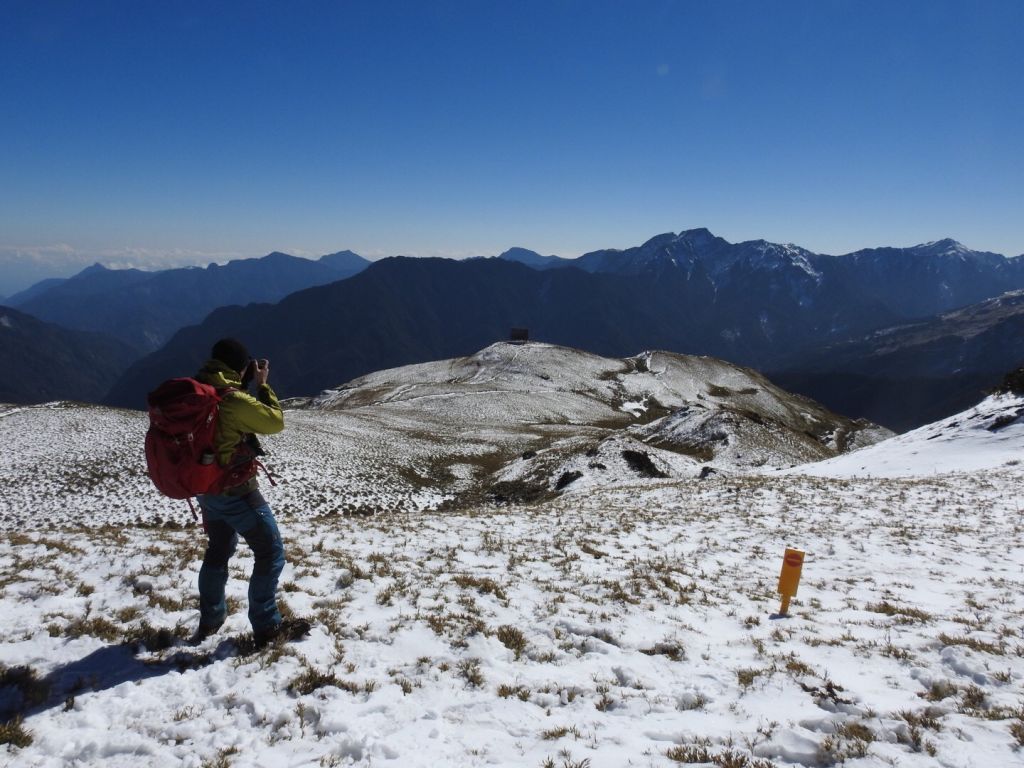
22, 693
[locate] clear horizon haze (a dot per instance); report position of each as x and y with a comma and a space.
165, 134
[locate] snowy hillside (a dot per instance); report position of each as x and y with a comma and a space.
508, 422
547, 416
987, 436
628, 620
528, 382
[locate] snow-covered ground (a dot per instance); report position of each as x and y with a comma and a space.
624, 623
623, 628
415, 437
987, 436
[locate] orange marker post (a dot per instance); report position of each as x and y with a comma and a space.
789, 578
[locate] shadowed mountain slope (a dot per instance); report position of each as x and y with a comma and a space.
912, 374
41, 361
405, 310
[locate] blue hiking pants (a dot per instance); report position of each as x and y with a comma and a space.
227, 518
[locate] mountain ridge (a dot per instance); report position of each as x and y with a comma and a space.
404, 310
43, 361
143, 309
761, 304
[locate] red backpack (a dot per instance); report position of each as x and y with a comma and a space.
180, 453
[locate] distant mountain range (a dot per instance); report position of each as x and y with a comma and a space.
810, 320
41, 361
902, 282
143, 309
769, 306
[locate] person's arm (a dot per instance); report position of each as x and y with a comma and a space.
267, 417
262, 416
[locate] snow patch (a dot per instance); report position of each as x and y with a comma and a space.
987, 436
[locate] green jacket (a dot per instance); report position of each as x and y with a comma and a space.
240, 413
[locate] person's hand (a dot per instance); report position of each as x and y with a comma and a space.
262, 372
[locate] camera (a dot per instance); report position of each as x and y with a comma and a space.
253, 365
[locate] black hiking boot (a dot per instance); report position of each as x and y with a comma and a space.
286, 631
203, 631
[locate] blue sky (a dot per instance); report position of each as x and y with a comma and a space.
163, 133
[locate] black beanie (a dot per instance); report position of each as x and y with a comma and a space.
232, 353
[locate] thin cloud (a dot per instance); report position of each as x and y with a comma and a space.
64, 255
24, 265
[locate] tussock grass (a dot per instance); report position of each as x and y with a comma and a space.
671, 650
700, 754
553, 734
483, 585
904, 612
222, 759
311, 680
973, 643
689, 753
507, 691
512, 638
13, 732
941, 689
469, 670
851, 740
916, 725
96, 626
747, 676
973, 699
579, 577
1017, 729
153, 638
32, 689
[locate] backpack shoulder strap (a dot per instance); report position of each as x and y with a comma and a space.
223, 392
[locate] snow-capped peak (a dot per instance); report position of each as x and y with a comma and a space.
775, 255
700, 236
945, 247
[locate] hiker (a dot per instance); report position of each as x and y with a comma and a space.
240, 510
